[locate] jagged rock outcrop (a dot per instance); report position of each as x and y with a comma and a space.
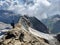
20, 35
37, 24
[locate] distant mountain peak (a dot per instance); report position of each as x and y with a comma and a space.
56, 16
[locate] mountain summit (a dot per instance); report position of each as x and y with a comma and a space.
24, 34
35, 24
21, 35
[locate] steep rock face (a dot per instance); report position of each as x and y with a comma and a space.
36, 24
21, 36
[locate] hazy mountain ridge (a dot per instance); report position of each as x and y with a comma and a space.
53, 23
8, 16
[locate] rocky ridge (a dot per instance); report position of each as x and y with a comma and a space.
20, 35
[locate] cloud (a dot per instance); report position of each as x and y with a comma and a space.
35, 8
54, 8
